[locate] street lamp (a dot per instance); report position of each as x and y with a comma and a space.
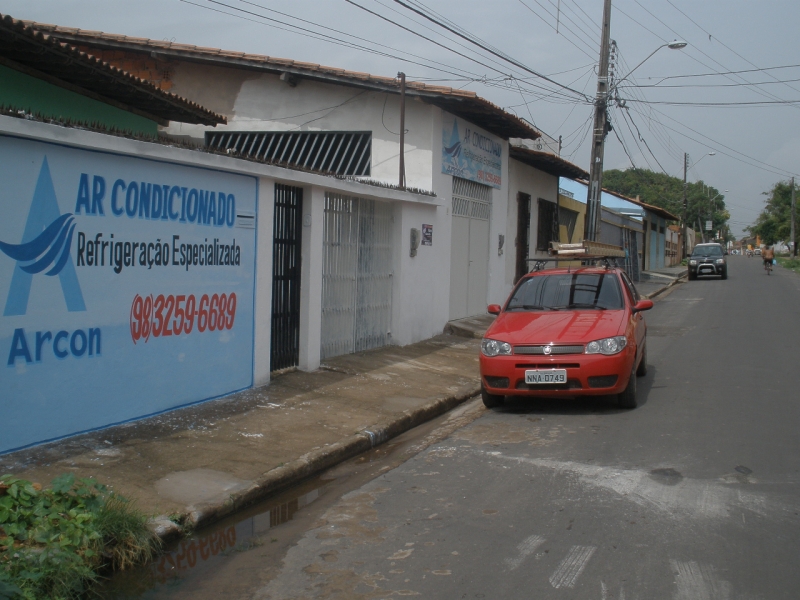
686, 167
591, 229
673, 45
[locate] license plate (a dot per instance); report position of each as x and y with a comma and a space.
539, 376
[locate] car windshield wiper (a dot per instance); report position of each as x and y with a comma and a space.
532, 307
584, 305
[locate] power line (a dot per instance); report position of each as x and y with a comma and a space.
485, 47
314, 34
695, 48
731, 104
553, 27
719, 73
720, 41
710, 85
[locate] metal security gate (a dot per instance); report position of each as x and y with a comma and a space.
285, 343
356, 275
469, 248
631, 254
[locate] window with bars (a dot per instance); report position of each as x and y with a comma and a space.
569, 219
547, 227
346, 153
471, 199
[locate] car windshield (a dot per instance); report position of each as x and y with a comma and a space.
567, 291
707, 251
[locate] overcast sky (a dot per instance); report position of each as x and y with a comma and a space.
749, 119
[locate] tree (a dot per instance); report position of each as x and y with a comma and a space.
774, 224
666, 192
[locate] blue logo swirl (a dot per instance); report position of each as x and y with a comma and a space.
51, 247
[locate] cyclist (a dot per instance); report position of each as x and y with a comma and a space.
768, 254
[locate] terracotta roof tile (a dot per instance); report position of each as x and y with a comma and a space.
46, 52
494, 117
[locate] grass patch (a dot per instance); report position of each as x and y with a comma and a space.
793, 264
55, 542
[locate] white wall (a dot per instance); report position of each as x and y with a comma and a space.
537, 184
262, 102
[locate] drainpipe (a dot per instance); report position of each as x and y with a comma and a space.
402, 178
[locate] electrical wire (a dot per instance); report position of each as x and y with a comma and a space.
720, 41
586, 45
487, 48
697, 49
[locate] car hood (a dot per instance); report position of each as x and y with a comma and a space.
556, 327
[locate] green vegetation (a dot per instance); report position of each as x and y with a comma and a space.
666, 192
774, 224
793, 264
54, 542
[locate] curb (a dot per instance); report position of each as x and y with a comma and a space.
308, 465
652, 295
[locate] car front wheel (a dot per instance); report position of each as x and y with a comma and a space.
627, 399
491, 400
692, 276
725, 273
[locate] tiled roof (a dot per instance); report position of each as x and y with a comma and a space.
549, 163
657, 210
463, 103
39, 53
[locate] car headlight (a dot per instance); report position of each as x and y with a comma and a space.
720, 261
494, 347
607, 346
692, 262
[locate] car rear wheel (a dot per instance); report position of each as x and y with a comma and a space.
491, 400
627, 399
641, 370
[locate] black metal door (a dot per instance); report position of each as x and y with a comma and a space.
523, 234
285, 347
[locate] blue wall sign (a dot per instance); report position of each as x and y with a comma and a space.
471, 154
126, 288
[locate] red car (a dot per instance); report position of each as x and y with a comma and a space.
566, 332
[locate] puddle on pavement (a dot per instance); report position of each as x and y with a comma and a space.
195, 556
240, 554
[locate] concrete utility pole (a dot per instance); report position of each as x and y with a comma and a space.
685, 208
794, 226
591, 229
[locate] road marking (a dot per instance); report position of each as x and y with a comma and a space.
567, 573
690, 497
527, 547
698, 582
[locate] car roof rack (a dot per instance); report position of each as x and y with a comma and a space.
587, 252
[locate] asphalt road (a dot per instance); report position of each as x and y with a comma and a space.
694, 495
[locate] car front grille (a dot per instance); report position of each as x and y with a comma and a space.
572, 384
554, 350
552, 365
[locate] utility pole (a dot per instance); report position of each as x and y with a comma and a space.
685, 208
402, 178
794, 226
592, 224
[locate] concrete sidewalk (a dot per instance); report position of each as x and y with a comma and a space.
200, 463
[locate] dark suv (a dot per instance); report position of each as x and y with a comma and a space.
708, 259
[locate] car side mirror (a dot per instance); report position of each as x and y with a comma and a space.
643, 305
493, 309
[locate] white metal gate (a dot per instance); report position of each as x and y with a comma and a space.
469, 248
356, 275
